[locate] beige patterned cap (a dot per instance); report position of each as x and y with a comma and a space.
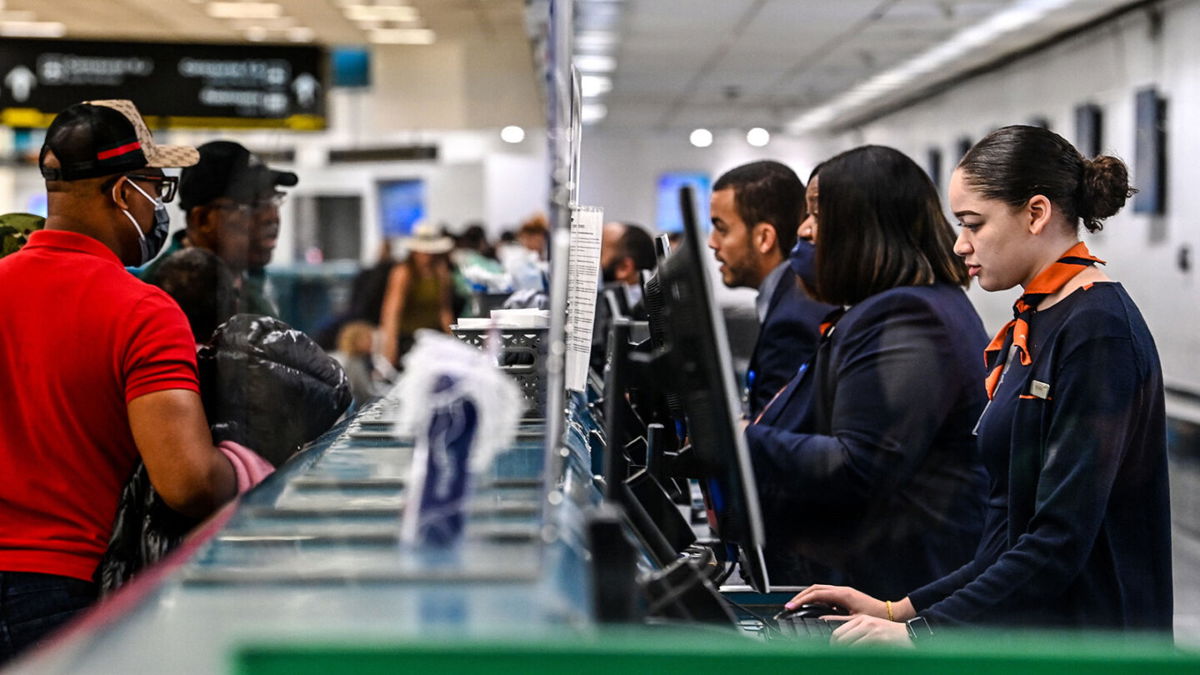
103, 138
157, 156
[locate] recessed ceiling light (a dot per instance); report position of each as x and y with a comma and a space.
590, 113
512, 134
701, 138
595, 40
758, 137
280, 23
594, 63
245, 10
594, 85
48, 29
255, 33
402, 36
380, 13
301, 34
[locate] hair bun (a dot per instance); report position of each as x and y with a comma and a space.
1103, 190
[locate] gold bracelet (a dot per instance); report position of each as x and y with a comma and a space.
888, 603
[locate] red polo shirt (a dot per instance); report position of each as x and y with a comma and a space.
80, 337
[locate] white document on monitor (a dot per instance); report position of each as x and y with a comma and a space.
583, 274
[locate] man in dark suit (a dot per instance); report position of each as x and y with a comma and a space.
756, 209
626, 249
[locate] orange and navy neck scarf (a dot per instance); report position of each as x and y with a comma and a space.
1014, 335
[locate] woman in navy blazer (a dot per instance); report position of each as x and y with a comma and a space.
866, 466
1078, 530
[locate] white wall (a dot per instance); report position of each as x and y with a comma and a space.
619, 172
1105, 66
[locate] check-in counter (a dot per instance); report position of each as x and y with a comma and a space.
314, 554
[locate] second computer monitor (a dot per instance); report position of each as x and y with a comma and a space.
699, 370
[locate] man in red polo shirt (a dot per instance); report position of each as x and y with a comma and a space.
97, 369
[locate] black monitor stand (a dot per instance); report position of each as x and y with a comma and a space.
679, 588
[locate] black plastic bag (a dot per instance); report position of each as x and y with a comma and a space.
144, 532
269, 387
264, 385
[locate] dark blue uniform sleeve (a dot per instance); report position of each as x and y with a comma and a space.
892, 395
1094, 400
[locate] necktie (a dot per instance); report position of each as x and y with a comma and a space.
1014, 335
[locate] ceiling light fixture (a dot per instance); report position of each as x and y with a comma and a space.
279, 24
594, 63
590, 113
402, 36
512, 134
245, 10
592, 86
1017, 17
301, 34
398, 13
758, 137
595, 40
701, 138
43, 29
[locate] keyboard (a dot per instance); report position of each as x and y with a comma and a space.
806, 628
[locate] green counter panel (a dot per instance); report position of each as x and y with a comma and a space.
671, 653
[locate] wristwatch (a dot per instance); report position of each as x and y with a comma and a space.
919, 630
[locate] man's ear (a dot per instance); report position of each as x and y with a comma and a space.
1039, 210
626, 269
119, 193
202, 223
763, 238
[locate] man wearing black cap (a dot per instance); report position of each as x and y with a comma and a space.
263, 235
99, 368
231, 201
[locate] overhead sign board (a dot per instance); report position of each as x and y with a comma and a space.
178, 85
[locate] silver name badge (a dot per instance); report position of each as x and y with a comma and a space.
1040, 389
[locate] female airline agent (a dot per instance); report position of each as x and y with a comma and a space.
865, 461
1078, 526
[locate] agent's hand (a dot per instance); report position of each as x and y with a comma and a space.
869, 630
854, 602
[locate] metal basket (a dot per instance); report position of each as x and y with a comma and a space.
522, 356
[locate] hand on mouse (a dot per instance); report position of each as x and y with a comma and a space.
851, 600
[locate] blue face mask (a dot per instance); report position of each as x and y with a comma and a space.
802, 259
152, 243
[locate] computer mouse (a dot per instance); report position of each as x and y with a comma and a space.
810, 611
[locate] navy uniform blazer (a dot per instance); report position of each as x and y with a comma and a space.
866, 466
1078, 530
786, 340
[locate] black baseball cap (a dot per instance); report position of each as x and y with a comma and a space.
228, 169
101, 138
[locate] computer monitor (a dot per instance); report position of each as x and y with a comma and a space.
401, 205
697, 367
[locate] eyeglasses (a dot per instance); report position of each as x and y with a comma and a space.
242, 210
165, 186
272, 201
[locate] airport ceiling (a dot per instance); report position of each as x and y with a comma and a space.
795, 65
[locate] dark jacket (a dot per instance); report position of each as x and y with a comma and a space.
867, 469
786, 340
1078, 532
